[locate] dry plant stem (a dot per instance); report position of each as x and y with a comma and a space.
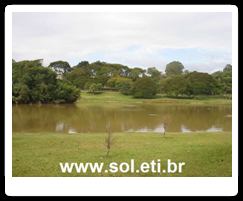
108, 139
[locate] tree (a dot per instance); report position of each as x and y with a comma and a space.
144, 88
224, 80
60, 67
153, 72
95, 88
174, 86
201, 84
227, 79
228, 68
155, 75
33, 83
136, 73
82, 64
174, 68
21, 93
123, 84
112, 82
78, 77
103, 73
66, 93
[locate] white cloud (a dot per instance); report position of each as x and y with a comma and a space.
130, 38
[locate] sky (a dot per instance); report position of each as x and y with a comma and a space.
200, 41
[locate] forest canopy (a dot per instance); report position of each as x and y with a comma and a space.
61, 83
33, 83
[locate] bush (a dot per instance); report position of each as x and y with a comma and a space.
66, 93
174, 68
112, 82
33, 83
95, 88
174, 85
78, 77
201, 84
144, 88
124, 85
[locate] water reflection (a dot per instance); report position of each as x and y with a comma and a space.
214, 129
72, 130
136, 118
60, 127
184, 129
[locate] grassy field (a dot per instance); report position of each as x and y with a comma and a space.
39, 154
118, 98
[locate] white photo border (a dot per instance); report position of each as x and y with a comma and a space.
127, 186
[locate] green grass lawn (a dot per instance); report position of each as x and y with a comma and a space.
110, 97
39, 154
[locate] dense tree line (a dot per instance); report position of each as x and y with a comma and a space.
59, 82
33, 83
143, 83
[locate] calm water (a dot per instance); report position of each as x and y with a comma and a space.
130, 118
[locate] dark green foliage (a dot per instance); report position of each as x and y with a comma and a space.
200, 84
82, 64
154, 73
190, 84
144, 88
125, 86
174, 85
97, 72
33, 83
78, 77
60, 67
228, 68
21, 93
224, 80
66, 93
174, 68
136, 73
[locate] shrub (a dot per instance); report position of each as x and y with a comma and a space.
144, 88
66, 93
95, 88
201, 84
124, 85
174, 85
33, 83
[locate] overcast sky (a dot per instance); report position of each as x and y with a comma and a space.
201, 41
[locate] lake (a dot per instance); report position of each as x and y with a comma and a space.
126, 118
